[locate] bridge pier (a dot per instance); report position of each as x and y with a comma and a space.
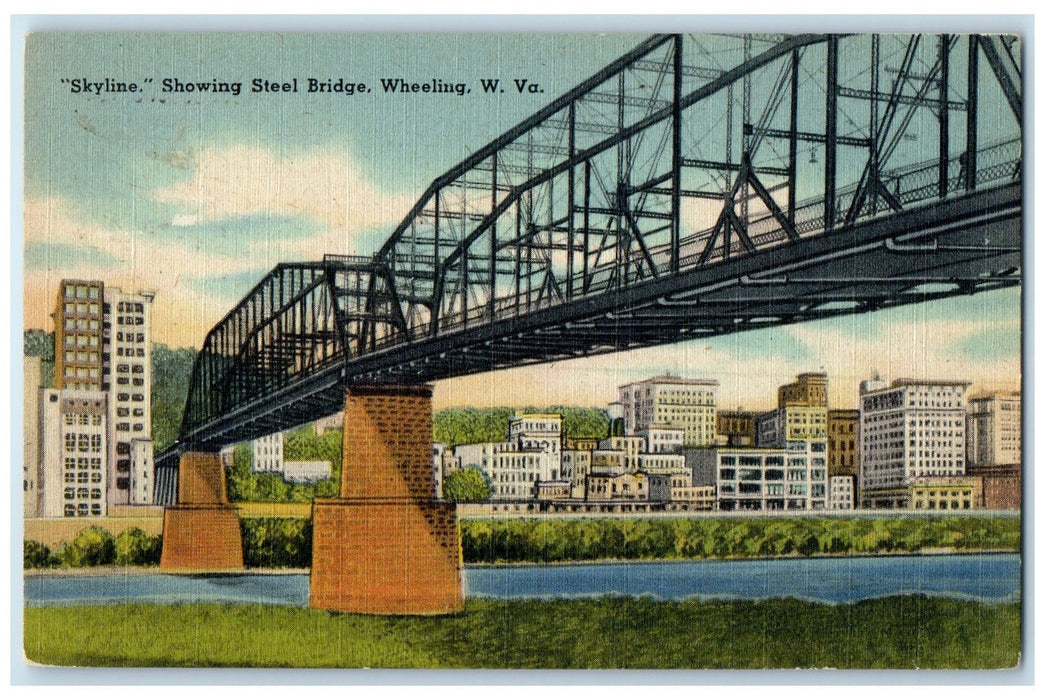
386, 545
201, 532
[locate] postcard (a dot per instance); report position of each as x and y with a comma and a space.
523, 350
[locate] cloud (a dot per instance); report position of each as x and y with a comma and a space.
61, 244
242, 181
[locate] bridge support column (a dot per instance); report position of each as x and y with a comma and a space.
201, 532
386, 546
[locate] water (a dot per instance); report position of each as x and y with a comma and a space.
991, 578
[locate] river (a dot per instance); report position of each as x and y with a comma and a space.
981, 577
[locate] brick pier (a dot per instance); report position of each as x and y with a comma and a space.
201, 532
386, 545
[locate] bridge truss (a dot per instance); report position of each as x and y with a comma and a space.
696, 186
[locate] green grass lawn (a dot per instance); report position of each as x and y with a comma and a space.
607, 633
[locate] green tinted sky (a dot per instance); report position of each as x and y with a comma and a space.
197, 196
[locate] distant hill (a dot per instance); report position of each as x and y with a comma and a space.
467, 425
171, 374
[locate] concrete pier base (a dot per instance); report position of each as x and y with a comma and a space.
386, 546
201, 533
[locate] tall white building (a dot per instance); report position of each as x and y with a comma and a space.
267, 454
910, 429
103, 344
128, 374
676, 402
994, 429
74, 453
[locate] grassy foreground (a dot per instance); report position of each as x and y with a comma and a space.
608, 633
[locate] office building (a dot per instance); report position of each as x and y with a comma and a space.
994, 429
267, 454
79, 340
909, 430
842, 442
841, 491
764, 478
808, 389
74, 453
736, 428
686, 404
128, 343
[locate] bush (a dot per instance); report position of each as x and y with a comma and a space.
93, 546
135, 547
466, 486
37, 555
277, 543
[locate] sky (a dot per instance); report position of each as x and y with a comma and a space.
196, 196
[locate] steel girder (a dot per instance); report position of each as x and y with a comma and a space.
596, 224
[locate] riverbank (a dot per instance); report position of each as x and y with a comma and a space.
901, 632
101, 571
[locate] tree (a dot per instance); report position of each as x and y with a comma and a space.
36, 555
136, 547
466, 486
93, 546
171, 374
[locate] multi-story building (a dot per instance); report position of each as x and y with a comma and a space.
662, 439
531, 454
842, 442
633, 486
687, 404
142, 479
659, 463
994, 429
910, 429
78, 336
335, 421
630, 446
128, 371
103, 344
688, 495
801, 413
764, 478
32, 381
790, 423
73, 453
841, 494
267, 454
736, 428
808, 389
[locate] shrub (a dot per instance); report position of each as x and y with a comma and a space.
277, 542
466, 486
37, 555
93, 546
135, 547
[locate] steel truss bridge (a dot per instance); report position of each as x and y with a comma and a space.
696, 186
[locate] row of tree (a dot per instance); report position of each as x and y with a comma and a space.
548, 540
96, 546
271, 543
287, 542
469, 425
